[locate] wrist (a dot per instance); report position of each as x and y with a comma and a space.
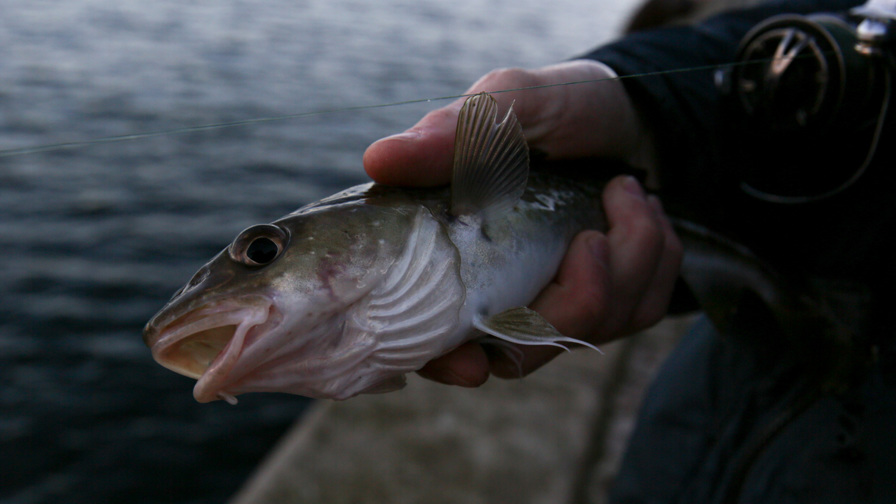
593, 116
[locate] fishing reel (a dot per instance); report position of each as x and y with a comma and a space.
814, 92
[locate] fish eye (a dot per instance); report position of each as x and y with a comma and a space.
262, 250
259, 245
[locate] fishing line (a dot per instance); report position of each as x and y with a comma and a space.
35, 149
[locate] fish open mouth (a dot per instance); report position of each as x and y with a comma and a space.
206, 344
193, 355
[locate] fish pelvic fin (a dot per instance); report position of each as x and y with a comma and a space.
491, 159
525, 326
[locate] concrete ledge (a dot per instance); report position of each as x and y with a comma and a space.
555, 436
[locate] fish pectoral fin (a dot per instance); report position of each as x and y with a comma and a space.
491, 159
524, 326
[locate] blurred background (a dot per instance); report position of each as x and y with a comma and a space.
95, 238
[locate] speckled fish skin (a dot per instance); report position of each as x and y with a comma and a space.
347, 295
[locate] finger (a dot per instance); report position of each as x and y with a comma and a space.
575, 302
577, 299
421, 156
655, 301
528, 360
466, 366
636, 244
557, 121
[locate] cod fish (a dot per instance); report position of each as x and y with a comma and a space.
349, 294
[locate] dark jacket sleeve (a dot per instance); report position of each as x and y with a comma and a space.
669, 73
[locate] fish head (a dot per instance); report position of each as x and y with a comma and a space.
269, 312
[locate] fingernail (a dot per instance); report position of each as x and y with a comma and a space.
448, 377
453, 378
405, 136
506, 369
632, 186
442, 377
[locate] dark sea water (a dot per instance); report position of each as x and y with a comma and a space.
95, 238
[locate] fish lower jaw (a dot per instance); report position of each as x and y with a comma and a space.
207, 344
212, 382
207, 390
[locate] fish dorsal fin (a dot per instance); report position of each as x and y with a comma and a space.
491, 159
524, 326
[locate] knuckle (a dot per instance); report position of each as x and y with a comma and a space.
674, 247
651, 310
648, 234
502, 78
595, 308
642, 319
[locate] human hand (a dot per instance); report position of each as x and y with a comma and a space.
609, 284
593, 118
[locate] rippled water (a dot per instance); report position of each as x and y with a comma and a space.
96, 238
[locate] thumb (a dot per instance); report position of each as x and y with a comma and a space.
421, 156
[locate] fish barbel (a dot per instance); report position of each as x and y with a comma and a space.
347, 295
